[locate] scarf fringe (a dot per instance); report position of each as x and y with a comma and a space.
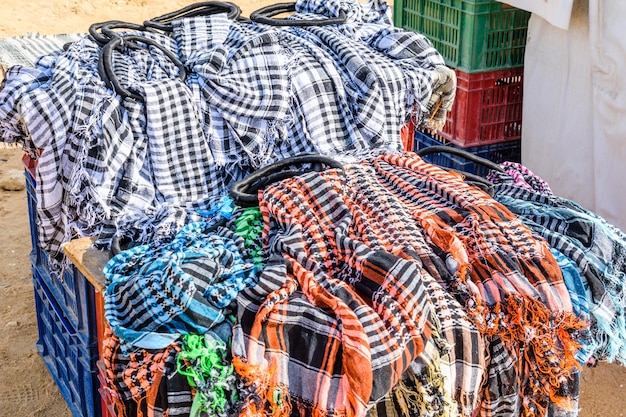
263, 398
428, 398
545, 346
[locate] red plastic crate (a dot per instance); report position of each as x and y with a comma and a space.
487, 109
30, 164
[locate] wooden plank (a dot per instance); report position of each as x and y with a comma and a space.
88, 260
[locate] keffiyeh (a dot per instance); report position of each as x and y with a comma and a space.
156, 293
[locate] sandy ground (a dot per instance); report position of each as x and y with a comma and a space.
26, 387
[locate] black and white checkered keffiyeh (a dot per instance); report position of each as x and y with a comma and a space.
46, 109
254, 94
240, 77
325, 90
25, 50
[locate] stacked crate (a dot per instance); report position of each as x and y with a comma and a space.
66, 321
484, 42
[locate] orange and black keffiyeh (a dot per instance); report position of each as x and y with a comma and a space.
371, 265
144, 383
344, 308
517, 290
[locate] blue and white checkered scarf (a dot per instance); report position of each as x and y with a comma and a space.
157, 292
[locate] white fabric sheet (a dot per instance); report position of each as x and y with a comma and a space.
557, 12
574, 128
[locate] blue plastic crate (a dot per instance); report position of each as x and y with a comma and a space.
497, 152
75, 296
38, 256
69, 359
71, 291
32, 216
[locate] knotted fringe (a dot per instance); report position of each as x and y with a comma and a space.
263, 397
110, 344
524, 308
545, 346
423, 391
612, 334
135, 377
204, 361
609, 338
427, 396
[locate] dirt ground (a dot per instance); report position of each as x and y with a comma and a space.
26, 387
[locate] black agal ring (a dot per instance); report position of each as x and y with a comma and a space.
265, 15
164, 22
103, 32
134, 41
245, 192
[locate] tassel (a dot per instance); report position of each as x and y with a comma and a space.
273, 398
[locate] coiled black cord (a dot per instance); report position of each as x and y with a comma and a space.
265, 15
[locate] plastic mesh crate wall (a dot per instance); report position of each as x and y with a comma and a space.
500, 152
471, 35
32, 216
69, 358
38, 255
487, 108
71, 291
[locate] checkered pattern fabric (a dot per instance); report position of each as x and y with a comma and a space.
372, 11
340, 235
520, 176
27, 49
53, 112
155, 293
515, 281
145, 382
141, 169
597, 250
241, 78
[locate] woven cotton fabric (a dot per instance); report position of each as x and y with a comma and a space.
382, 221
47, 105
142, 167
241, 79
338, 242
516, 282
156, 293
144, 383
595, 247
520, 176
27, 49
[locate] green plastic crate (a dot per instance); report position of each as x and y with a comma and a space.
472, 36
